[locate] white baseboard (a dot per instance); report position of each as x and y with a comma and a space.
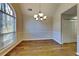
6, 50
37, 39
77, 54
57, 41
40, 39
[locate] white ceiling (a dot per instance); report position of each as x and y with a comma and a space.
47, 8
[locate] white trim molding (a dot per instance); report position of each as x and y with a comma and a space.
37, 39
41, 39
77, 54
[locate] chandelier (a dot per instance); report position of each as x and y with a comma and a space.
40, 16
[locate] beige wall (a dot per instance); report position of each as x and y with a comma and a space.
19, 29
57, 21
19, 21
78, 30
36, 30
33, 29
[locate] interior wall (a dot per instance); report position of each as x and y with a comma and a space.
78, 30
36, 30
19, 21
57, 20
69, 31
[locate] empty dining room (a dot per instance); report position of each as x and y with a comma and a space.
39, 29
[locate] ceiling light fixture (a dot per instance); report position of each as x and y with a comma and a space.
40, 16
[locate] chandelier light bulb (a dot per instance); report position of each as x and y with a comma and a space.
41, 14
44, 17
35, 16
41, 18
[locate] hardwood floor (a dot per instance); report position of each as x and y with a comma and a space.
43, 48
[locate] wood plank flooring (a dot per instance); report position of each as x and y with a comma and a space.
43, 48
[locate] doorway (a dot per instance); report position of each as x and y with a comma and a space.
69, 27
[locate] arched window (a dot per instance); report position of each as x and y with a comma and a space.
7, 25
